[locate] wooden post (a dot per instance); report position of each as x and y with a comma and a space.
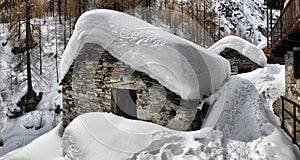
294, 124
282, 112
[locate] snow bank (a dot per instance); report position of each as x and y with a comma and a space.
46, 147
244, 47
116, 138
180, 65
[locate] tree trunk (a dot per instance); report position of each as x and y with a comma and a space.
133, 7
197, 22
56, 52
30, 92
59, 10
65, 34
19, 27
66, 13
79, 8
40, 46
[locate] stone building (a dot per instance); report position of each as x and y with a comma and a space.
238, 62
117, 63
292, 75
242, 55
115, 87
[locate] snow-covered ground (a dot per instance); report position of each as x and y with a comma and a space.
24, 129
241, 125
45, 147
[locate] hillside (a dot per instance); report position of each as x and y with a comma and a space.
246, 19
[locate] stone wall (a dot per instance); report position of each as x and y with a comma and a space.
292, 84
87, 87
237, 61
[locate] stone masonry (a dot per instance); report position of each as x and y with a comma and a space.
292, 84
292, 88
238, 61
87, 87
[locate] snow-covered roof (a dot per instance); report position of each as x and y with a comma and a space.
180, 65
244, 47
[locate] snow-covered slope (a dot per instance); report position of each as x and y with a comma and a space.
245, 48
244, 18
180, 65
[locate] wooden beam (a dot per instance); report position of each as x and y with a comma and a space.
288, 43
295, 37
284, 48
294, 33
278, 53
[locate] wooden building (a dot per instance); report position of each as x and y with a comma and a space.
284, 43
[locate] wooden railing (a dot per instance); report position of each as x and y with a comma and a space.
288, 17
293, 115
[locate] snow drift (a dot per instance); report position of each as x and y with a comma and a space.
180, 65
245, 48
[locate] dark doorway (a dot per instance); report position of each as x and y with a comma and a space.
124, 103
244, 68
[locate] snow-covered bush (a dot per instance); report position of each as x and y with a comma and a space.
13, 111
34, 120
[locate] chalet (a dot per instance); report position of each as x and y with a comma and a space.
155, 77
284, 43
